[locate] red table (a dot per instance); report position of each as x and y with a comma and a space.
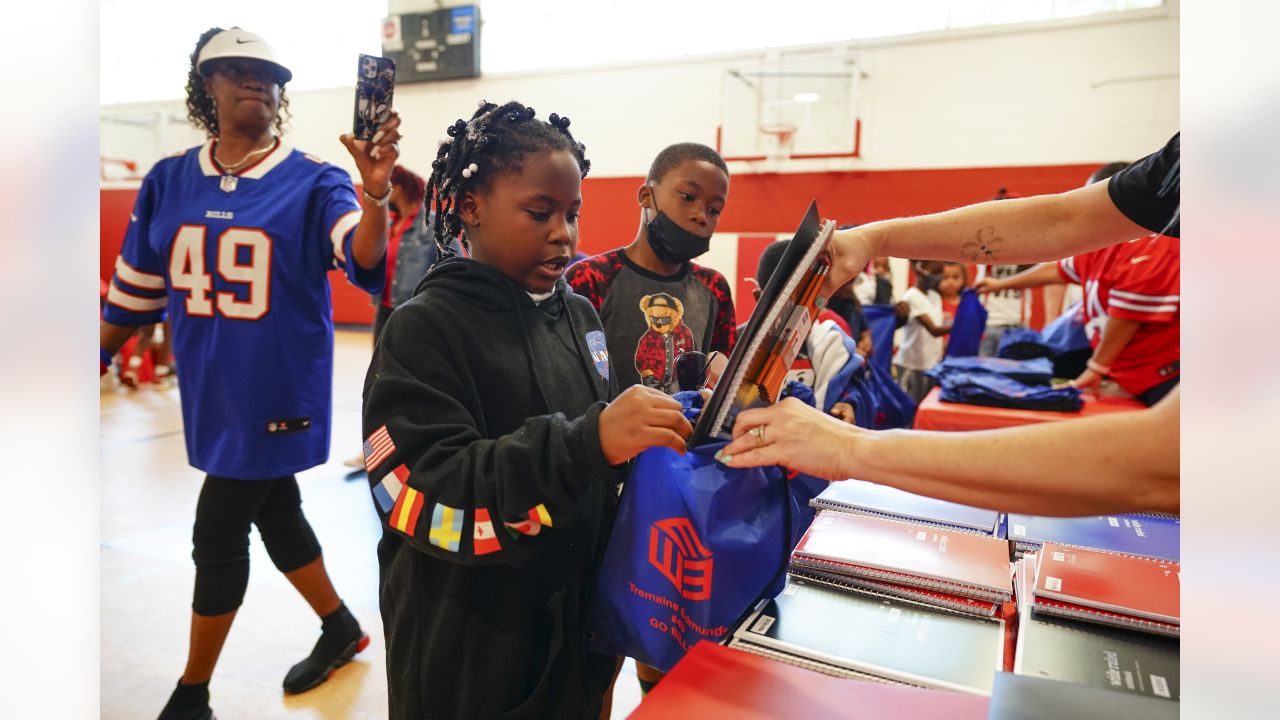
933, 414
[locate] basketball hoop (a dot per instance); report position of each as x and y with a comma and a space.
781, 135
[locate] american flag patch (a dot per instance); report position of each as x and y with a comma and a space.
377, 448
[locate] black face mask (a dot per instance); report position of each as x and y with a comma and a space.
673, 244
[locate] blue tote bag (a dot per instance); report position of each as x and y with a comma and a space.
881, 320
967, 327
694, 546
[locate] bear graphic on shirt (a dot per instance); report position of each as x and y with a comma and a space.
660, 345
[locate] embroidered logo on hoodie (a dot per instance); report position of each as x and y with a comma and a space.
599, 352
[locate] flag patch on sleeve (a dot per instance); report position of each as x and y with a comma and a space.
532, 523
388, 491
404, 516
377, 447
446, 527
485, 540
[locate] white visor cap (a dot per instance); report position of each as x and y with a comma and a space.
237, 43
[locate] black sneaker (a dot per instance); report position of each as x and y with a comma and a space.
188, 702
339, 641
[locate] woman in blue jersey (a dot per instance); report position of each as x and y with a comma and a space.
232, 241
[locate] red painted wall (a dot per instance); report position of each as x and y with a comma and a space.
760, 203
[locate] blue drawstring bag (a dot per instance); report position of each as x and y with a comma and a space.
1066, 333
893, 406
1067, 340
1022, 344
1037, 371
967, 327
695, 544
994, 390
881, 320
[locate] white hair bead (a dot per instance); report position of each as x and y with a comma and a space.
482, 103
444, 141
470, 170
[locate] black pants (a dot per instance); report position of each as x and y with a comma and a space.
221, 537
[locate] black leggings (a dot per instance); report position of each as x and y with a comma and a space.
221, 536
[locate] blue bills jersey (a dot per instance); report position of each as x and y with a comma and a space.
239, 263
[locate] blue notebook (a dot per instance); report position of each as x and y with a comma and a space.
859, 496
1153, 536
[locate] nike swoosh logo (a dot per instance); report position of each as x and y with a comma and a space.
243, 42
1138, 259
133, 218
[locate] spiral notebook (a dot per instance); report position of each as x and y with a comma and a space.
1109, 588
860, 496
932, 598
880, 639
715, 682
1154, 536
777, 329
1097, 656
910, 554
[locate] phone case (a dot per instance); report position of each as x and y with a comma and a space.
375, 85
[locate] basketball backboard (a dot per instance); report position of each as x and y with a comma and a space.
798, 107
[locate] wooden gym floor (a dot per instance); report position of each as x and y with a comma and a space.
148, 504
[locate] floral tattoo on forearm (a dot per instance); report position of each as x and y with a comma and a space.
984, 247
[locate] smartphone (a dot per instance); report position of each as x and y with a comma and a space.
375, 84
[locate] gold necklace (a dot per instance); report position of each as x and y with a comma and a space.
232, 167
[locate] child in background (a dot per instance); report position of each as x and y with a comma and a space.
884, 280
826, 361
954, 278
921, 346
655, 302
493, 449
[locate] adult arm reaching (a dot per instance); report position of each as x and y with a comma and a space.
1120, 462
1007, 232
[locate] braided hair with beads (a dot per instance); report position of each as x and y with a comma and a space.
494, 141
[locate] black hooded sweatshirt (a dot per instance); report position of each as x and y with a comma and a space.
491, 401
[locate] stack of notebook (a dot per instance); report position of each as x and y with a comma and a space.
925, 564
1097, 655
858, 496
1154, 536
882, 639
1091, 653
1108, 588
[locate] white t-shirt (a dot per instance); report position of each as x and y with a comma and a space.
864, 287
1005, 307
920, 350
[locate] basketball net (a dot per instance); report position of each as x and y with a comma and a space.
780, 137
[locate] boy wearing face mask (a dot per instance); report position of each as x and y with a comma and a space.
654, 302
921, 346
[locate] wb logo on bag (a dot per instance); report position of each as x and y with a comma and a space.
676, 551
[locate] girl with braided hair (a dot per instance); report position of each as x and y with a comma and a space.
498, 450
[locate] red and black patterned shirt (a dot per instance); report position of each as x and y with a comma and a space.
649, 319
